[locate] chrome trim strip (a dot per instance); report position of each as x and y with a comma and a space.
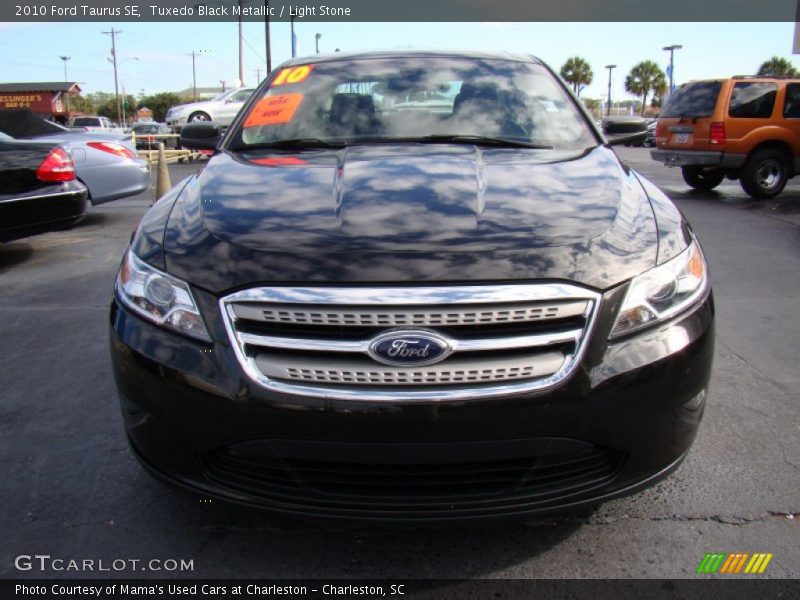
508, 343
43, 196
412, 295
473, 294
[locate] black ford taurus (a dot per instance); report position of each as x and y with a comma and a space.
412, 286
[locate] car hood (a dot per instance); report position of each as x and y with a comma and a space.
411, 213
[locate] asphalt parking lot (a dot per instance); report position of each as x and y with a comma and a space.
71, 488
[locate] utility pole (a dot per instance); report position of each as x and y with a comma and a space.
241, 60
610, 68
194, 77
65, 59
266, 37
258, 75
114, 33
316, 41
294, 44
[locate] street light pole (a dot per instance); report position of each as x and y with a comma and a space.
65, 59
608, 107
316, 41
124, 117
671, 49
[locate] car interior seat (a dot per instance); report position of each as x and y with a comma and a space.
352, 114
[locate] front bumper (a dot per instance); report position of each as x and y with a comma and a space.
625, 418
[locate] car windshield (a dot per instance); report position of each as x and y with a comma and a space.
219, 97
414, 98
145, 128
695, 99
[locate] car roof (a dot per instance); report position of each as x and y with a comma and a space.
410, 53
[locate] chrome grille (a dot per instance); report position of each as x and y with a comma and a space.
448, 372
407, 318
502, 339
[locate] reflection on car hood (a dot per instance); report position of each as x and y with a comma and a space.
81, 137
411, 213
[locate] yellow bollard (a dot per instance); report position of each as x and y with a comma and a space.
163, 183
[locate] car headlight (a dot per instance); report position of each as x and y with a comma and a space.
160, 298
663, 292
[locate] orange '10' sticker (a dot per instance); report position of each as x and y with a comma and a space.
292, 75
273, 110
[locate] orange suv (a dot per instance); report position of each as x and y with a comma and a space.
745, 128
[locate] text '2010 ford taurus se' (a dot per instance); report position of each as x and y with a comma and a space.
412, 286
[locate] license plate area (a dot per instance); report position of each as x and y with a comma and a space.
681, 138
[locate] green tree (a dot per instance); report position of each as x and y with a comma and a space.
644, 77
109, 107
160, 104
658, 94
81, 104
577, 72
777, 67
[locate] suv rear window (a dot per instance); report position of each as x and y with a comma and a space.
696, 99
86, 122
752, 100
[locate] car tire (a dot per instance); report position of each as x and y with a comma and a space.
765, 173
198, 116
701, 179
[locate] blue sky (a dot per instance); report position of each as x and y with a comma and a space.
30, 52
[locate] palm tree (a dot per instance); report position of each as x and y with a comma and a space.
577, 72
644, 77
777, 67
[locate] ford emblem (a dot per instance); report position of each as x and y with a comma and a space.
409, 348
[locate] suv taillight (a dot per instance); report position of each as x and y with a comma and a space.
716, 133
58, 166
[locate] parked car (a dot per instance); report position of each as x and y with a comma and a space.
650, 138
39, 191
96, 125
147, 136
745, 128
221, 109
105, 163
632, 125
411, 315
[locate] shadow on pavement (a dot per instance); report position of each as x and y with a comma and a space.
13, 254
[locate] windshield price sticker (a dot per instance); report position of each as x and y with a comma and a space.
273, 110
292, 75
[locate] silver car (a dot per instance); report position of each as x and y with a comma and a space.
221, 109
106, 163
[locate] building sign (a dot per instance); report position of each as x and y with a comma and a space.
40, 102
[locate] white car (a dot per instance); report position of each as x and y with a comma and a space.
221, 109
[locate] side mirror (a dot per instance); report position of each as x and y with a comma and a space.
202, 135
624, 130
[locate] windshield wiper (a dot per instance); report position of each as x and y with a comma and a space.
460, 139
